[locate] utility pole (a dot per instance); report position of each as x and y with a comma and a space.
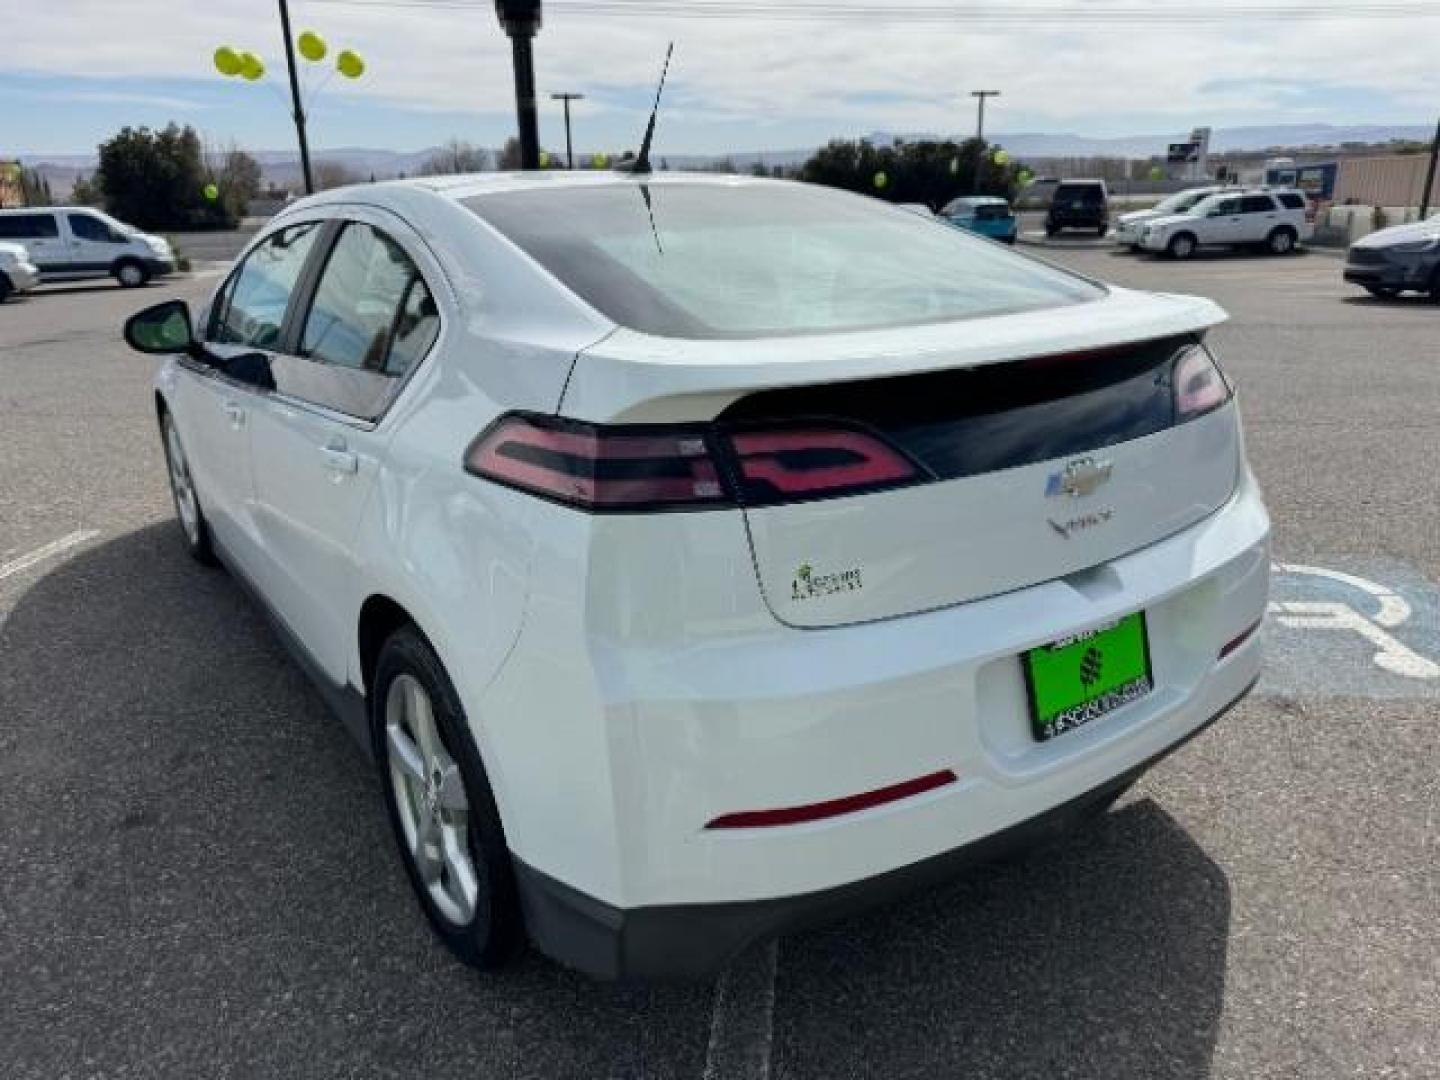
569, 147
1430, 173
520, 20
295, 98
982, 95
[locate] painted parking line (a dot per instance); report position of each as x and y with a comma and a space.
52, 550
743, 1023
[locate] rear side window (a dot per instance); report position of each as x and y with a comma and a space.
372, 310
88, 227
259, 293
1256, 204
28, 226
1292, 201
1085, 194
693, 259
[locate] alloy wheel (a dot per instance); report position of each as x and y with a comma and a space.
429, 794
182, 485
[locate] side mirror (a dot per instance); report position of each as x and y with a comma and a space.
163, 328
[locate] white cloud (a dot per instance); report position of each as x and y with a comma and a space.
854, 76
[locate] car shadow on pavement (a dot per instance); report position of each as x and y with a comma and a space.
199, 874
1101, 955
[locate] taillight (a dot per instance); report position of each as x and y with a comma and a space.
605, 468
1199, 386
788, 464
596, 468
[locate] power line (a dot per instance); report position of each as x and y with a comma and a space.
977, 14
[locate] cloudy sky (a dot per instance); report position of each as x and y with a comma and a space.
73, 71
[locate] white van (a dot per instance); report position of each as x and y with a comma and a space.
67, 243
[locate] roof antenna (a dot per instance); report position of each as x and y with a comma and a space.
642, 162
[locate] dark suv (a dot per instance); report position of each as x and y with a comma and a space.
1079, 204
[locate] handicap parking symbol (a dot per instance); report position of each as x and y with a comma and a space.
1368, 627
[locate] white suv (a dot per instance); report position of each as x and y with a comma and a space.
701, 557
1275, 220
70, 243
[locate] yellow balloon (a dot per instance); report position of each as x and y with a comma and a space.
544, 159
227, 61
600, 161
312, 45
350, 64
251, 67
881, 179
1001, 158
211, 192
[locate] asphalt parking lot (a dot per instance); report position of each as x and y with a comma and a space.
198, 878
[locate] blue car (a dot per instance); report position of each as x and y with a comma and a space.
987, 215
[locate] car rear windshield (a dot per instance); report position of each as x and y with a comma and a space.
1082, 194
713, 260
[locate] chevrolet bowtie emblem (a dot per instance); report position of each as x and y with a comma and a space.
1078, 479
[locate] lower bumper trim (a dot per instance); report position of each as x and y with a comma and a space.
694, 941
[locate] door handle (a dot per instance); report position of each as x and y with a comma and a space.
235, 414
338, 459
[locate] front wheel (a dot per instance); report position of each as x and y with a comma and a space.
131, 273
182, 489
440, 805
1181, 246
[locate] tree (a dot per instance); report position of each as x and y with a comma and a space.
156, 180
456, 156
34, 188
85, 192
510, 156
333, 174
237, 178
926, 172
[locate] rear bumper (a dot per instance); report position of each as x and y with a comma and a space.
694, 941
648, 697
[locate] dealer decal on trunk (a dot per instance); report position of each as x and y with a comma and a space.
808, 585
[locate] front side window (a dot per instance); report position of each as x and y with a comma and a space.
259, 293
28, 227
1256, 204
1291, 201
371, 310
710, 260
86, 227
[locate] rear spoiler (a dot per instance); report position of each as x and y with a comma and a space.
632, 377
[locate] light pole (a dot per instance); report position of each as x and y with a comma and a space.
982, 95
567, 98
520, 20
1430, 174
295, 100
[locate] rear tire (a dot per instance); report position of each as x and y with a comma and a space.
131, 273
441, 808
1181, 246
182, 490
1281, 241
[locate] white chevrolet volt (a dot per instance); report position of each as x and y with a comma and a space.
701, 558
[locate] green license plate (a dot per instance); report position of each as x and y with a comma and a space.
1086, 676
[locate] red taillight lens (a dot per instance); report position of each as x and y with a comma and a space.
1199, 386
597, 468
814, 462
675, 467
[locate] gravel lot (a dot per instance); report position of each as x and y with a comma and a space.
199, 880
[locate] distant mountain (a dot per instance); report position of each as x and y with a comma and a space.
282, 167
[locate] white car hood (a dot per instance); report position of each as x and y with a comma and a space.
1428, 229
1136, 217
635, 377
1166, 220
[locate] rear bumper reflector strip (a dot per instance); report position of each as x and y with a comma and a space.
850, 804
1236, 642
